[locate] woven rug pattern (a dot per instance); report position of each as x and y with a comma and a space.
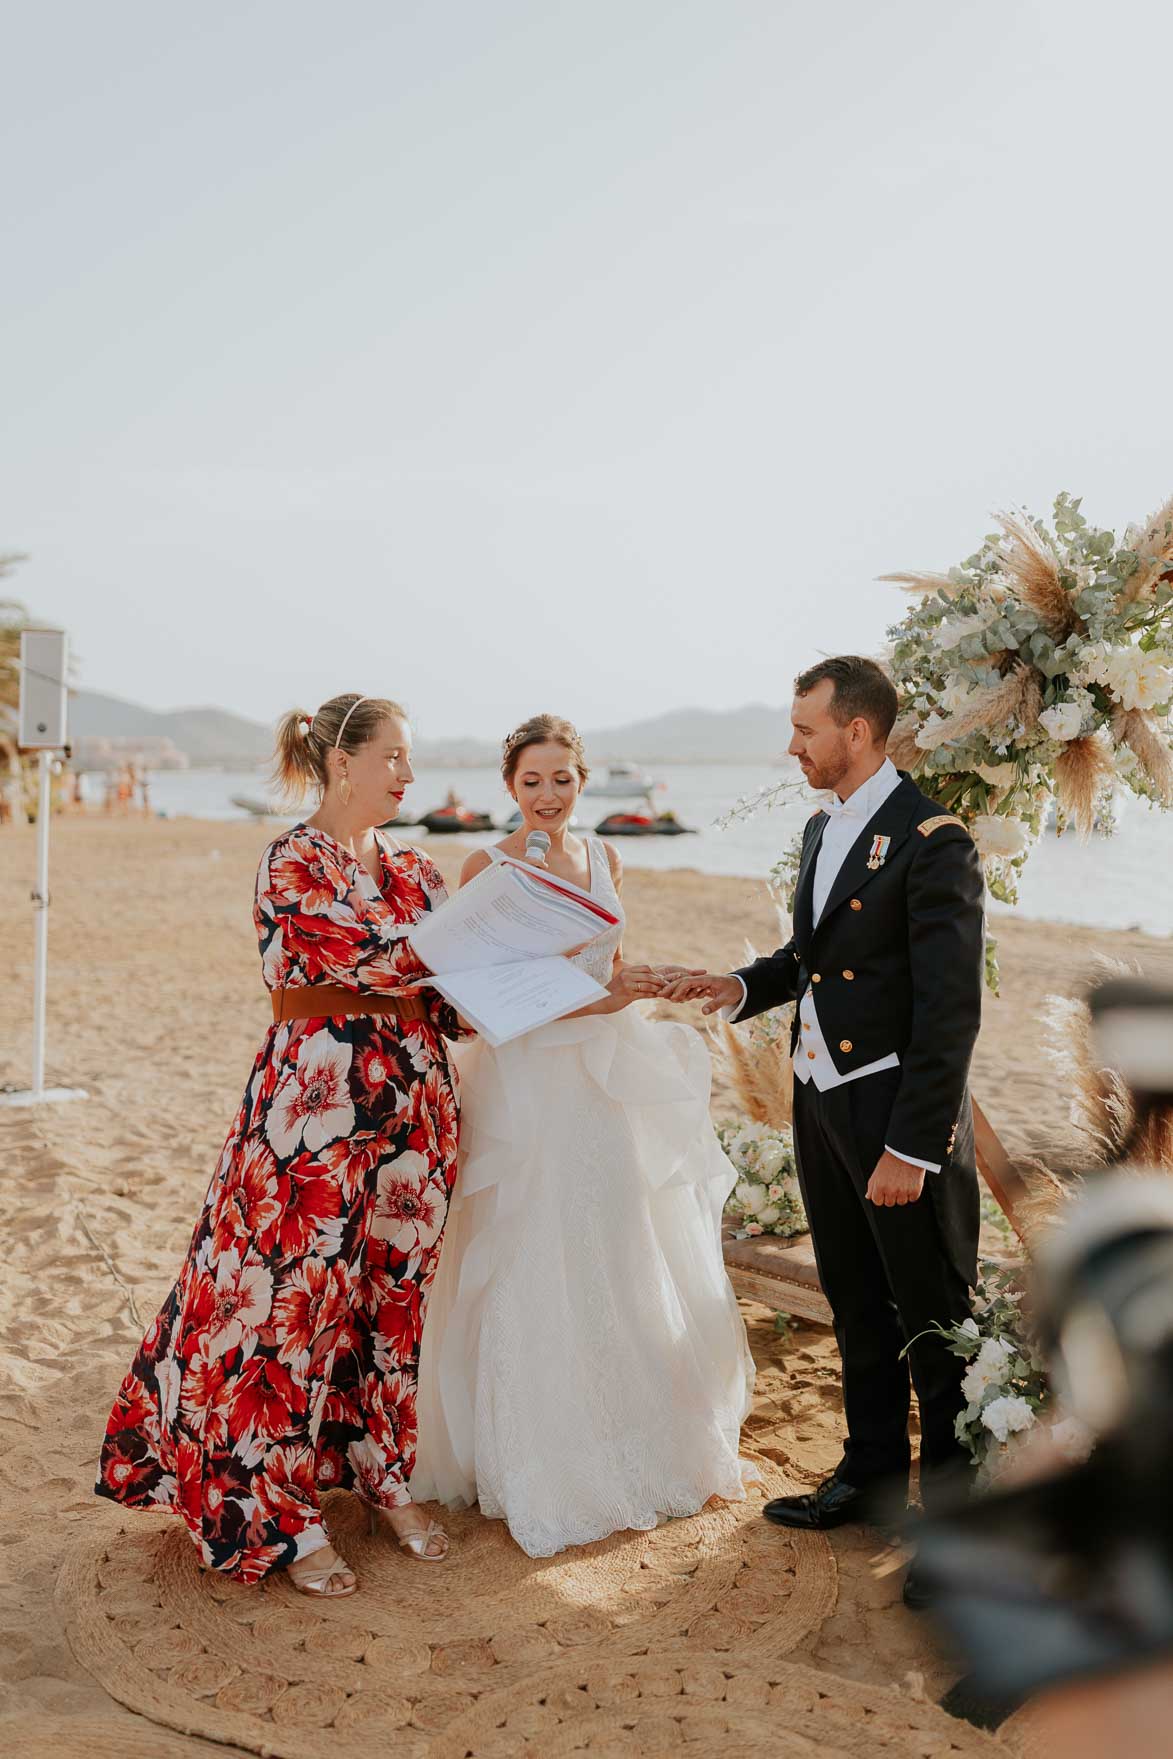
420, 1645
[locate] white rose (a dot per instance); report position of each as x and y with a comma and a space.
742, 1195
769, 1215
998, 775
1064, 721
997, 835
988, 1369
1007, 1416
751, 1197
1134, 678
1143, 682
772, 1159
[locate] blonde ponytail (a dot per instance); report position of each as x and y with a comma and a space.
304, 741
295, 770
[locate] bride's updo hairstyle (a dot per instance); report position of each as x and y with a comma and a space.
543, 730
303, 740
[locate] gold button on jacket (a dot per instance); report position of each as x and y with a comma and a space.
855, 904
816, 977
849, 976
844, 1044
811, 1055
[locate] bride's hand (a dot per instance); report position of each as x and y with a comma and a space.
633, 983
672, 975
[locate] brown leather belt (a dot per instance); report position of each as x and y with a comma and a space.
329, 1001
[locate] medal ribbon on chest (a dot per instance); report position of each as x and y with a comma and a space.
879, 853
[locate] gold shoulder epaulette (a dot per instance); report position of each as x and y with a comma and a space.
929, 825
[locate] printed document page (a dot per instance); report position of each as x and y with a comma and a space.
503, 1002
508, 913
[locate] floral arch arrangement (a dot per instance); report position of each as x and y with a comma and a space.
1037, 671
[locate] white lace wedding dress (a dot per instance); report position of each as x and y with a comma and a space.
584, 1366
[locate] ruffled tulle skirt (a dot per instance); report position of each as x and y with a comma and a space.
584, 1366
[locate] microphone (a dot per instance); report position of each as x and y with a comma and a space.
536, 844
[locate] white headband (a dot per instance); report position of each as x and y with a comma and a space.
345, 718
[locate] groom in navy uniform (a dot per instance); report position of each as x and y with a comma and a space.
886, 967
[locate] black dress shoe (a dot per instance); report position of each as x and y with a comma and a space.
832, 1504
915, 1595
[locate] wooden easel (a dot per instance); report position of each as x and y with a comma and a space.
783, 1274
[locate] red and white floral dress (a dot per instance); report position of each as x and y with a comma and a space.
284, 1360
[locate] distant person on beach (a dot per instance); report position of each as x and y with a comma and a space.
284, 1360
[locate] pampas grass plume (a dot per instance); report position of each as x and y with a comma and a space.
1033, 569
1132, 727
924, 583
1081, 769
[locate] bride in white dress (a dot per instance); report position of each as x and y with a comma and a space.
584, 1366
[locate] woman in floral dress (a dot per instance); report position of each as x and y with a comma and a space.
284, 1360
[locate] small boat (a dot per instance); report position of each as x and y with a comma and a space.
624, 781
453, 817
642, 824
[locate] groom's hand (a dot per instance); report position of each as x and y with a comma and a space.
895, 1182
722, 992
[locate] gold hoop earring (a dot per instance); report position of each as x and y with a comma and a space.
344, 791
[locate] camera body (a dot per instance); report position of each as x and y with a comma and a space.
1071, 1574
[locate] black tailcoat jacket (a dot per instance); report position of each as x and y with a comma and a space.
897, 960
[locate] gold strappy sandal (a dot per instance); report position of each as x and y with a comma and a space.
417, 1542
314, 1578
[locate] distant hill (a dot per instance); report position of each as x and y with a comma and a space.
208, 735
754, 734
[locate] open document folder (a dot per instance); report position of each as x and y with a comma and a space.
497, 948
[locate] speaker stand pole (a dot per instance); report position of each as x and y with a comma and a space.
39, 1094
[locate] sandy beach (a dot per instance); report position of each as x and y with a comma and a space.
156, 1008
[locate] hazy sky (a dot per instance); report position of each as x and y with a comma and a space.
593, 357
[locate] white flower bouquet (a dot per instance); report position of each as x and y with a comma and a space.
1036, 676
1039, 670
1005, 1385
766, 1198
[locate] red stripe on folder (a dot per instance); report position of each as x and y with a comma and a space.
576, 895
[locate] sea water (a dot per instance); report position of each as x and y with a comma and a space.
1122, 881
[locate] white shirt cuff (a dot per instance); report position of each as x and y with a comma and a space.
926, 1166
730, 1013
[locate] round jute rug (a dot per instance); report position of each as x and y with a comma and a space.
118, 1736
419, 1646
683, 1701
